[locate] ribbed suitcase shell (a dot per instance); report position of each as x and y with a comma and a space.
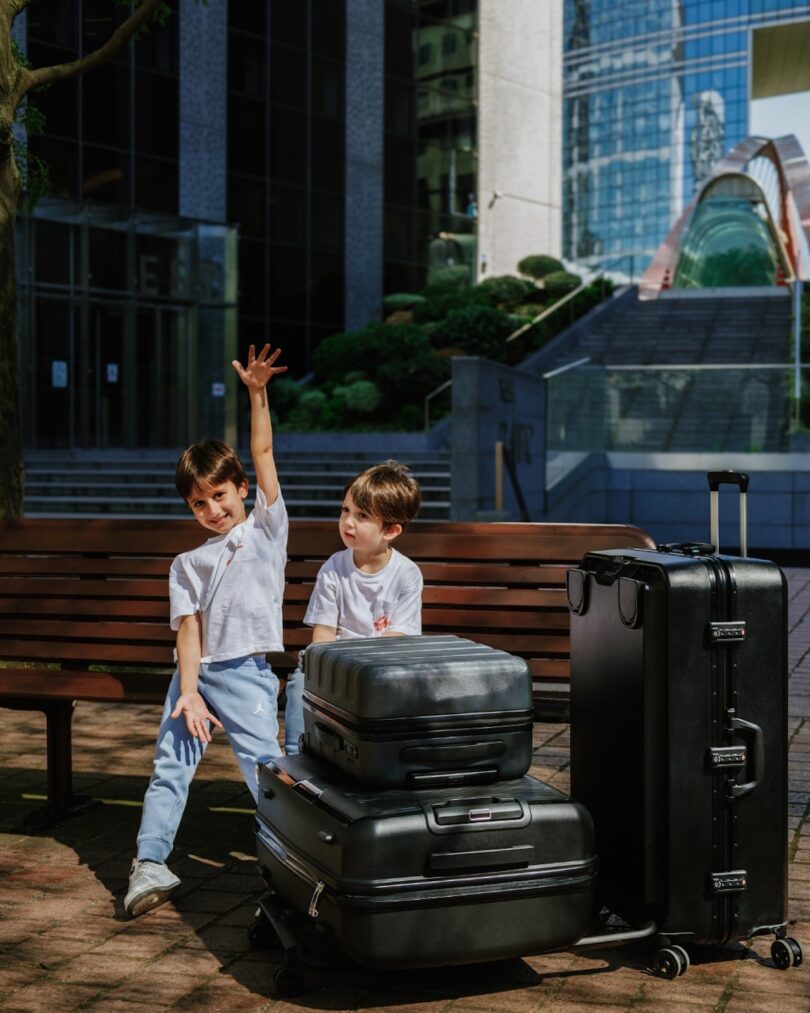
415, 711
427, 878
690, 811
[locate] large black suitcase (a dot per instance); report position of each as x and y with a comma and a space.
430, 877
679, 734
418, 711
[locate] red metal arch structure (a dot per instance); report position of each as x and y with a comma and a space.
793, 222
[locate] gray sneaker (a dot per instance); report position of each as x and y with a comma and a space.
150, 884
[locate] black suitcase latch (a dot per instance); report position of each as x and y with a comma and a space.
727, 757
728, 882
724, 633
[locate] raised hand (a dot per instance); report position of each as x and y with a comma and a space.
260, 368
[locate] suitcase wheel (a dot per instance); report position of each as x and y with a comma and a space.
287, 979
786, 953
671, 961
261, 934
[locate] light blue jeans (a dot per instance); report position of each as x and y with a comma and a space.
243, 694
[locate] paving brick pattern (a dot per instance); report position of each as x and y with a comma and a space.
65, 945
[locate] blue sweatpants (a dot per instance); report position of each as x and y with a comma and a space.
243, 694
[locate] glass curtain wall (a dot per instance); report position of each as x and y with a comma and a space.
430, 134
286, 156
655, 92
112, 293
110, 135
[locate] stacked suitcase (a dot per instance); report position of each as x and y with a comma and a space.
408, 825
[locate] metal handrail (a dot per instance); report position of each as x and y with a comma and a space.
428, 399
549, 310
566, 367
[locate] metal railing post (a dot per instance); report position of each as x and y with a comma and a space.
499, 476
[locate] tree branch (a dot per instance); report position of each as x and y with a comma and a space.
119, 38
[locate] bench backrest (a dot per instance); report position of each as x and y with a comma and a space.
81, 592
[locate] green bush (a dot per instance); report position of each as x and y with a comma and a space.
439, 304
402, 301
539, 265
479, 330
504, 291
285, 395
398, 361
361, 397
447, 279
560, 283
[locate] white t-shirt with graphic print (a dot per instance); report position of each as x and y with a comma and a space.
236, 582
362, 604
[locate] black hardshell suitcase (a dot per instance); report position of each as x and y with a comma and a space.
418, 711
679, 735
430, 877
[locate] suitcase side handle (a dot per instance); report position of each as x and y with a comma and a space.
755, 739
716, 479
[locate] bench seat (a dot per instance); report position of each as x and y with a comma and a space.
84, 606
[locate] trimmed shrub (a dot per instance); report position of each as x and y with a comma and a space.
361, 397
504, 291
560, 283
479, 330
447, 279
401, 301
539, 265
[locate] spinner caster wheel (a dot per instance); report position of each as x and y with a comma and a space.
261, 935
670, 962
288, 980
786, 953
685, 961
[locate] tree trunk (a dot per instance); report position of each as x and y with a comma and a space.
11, 481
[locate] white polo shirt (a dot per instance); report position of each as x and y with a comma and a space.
360, 604
236, 582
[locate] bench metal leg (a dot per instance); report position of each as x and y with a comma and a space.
62, 803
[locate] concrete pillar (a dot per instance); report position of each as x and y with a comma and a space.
365, 40
203, 109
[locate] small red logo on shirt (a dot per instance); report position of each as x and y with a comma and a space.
381, 624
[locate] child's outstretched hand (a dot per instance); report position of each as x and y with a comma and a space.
194, 710
259, 368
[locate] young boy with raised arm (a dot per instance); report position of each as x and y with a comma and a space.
225, 602
368, 589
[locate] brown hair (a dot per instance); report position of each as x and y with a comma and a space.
210, 462
387, 490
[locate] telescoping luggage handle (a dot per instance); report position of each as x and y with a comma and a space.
716, 479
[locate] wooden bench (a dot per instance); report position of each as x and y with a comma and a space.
84, 608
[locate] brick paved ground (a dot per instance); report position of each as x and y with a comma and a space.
65, 945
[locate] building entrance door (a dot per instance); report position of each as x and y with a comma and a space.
165, 374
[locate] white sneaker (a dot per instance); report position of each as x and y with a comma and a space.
150, 884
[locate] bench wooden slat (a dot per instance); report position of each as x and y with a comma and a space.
127, 609
132, 687
157, 589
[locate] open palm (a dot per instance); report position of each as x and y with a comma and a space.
260, 368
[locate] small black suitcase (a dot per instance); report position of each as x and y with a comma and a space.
426, 878
679, 735
418, 711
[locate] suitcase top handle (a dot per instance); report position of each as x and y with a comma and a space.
718, 478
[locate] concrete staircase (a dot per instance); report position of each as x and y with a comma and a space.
141, 485
711, 409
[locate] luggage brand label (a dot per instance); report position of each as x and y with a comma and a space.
729, 882
727, 632
723, 757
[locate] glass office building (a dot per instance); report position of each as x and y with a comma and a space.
655, 92
246, 171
